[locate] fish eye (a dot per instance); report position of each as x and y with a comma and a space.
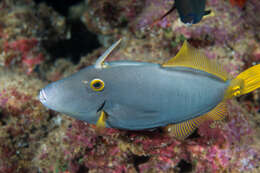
97, 84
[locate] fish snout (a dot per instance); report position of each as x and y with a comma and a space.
42, 96
46, 97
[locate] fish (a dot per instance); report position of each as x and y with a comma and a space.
190, 11
176, 96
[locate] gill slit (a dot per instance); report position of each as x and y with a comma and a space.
102, 106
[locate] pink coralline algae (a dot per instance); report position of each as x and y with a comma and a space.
20, 28
109, 14
230, 147
22, 120
152, 12
24, 50
88, 150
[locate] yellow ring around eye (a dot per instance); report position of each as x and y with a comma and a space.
97, 84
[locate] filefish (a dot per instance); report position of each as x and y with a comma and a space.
190, 11
177, 95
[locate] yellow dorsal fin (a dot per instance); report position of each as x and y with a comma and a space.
184, 129
190, 57
101, 123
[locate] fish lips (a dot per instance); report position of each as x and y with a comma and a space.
44, 99
47, 100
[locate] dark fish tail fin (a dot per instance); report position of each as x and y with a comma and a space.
245, 82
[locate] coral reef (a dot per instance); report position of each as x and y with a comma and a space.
34, 139
25, 49
22, 29
23, 121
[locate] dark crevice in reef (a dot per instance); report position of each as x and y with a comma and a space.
184, 167
137, 160
82, 169
81, 41
2, 122
61, 6
78, 167
194, 135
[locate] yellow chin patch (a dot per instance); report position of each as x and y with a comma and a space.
101, 123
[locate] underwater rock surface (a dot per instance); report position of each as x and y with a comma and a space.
34, 139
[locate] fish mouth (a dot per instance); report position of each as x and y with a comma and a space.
42, 96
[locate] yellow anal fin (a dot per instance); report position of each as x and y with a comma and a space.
218, 113
184, 129
101, 123
192, 58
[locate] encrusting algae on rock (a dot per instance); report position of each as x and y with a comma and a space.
22, 31
34, 139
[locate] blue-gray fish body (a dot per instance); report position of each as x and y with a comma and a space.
136, 95
179, 95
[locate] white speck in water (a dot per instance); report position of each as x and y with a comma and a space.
57, 120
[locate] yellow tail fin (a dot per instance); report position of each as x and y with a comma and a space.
245, 82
